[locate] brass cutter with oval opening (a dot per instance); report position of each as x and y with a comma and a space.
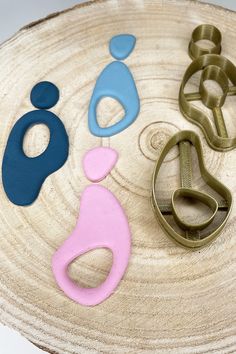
192, 235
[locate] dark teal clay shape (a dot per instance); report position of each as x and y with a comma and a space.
44, 95
116, 81
23, 176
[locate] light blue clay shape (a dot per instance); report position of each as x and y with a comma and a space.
121, 46
117, 82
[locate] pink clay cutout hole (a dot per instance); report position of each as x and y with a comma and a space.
98, 261
99, 162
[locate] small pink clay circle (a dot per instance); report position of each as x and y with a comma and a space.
98, 163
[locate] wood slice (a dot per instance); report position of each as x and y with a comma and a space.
171, 300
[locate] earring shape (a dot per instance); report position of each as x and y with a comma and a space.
23, 176
102, 223
116, 81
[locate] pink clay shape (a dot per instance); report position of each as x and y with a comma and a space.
102, 223
99, 162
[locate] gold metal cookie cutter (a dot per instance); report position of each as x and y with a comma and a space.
204, 32
220, 69
193, 235
217, 68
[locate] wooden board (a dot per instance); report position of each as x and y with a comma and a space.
171, 300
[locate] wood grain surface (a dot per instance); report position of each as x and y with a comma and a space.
171, 300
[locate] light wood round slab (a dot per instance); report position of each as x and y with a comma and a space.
171, 300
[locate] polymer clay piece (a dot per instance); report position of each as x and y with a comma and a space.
44, 95
102, 223
98, 163
218, 68
116, 81
193, 235
23, 176
121, 46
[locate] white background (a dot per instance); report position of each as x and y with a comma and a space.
15, 14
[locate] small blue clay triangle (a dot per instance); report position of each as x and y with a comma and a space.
122, 45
